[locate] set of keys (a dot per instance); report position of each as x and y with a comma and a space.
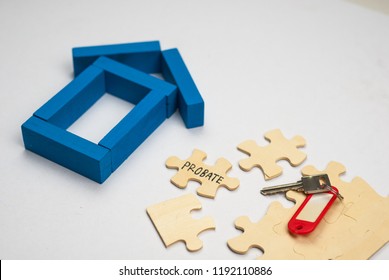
320, 196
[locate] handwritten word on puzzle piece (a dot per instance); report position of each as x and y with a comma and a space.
174, 223
265, 158
354, 228
210, 177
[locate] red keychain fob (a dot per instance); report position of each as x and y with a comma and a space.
311, 211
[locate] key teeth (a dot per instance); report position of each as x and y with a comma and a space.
297, 186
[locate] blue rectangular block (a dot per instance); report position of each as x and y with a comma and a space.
133, 85
67, 149
145, 56
73, 100
133, 129
190, 102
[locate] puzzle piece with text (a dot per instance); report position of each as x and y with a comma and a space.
210, 177
174, 223
354, 228
265, 158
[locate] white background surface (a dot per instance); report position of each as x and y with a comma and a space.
319, 69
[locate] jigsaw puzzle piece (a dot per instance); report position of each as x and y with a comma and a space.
266, 158
249, 238
210, 177
257, 159
174, 223
259, 235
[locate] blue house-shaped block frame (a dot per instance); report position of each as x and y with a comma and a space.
45, 132
120, 70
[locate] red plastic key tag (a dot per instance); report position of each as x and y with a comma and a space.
311, 211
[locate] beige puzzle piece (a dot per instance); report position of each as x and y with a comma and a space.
355, 228
174, 223
210, 177
269, 233
266, 158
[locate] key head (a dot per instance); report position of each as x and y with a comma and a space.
316, 183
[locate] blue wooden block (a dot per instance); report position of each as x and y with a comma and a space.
67, 149
190, 102
144, 56
74, 99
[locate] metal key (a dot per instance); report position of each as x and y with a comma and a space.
308, 184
